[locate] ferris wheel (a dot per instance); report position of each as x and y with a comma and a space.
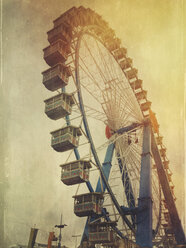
116, 157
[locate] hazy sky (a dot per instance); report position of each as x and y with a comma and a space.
152, 31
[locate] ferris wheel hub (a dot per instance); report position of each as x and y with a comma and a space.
108, 132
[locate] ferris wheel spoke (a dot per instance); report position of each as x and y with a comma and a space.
126, 110
108, 67
122, 85
132, 166
113, 96
94, 60
90, 112
122, 226
125, 178
89, 74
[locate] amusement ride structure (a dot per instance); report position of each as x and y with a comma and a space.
98, 91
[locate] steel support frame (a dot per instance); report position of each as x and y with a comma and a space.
175, 221
106, 167
144, 217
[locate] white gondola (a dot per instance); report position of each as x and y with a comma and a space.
125, 63
56, 77
102, 232
131, 73
120, 53
75, 172
88, 204
56, 52
163, 152
137, 84
62, 31
141, 95
64, 17
59, 106
65, 139
113, 44
159, 140
145, 106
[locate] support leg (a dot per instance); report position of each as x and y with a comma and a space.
144, 216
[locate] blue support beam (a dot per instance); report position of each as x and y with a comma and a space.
144, 217
106, 166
